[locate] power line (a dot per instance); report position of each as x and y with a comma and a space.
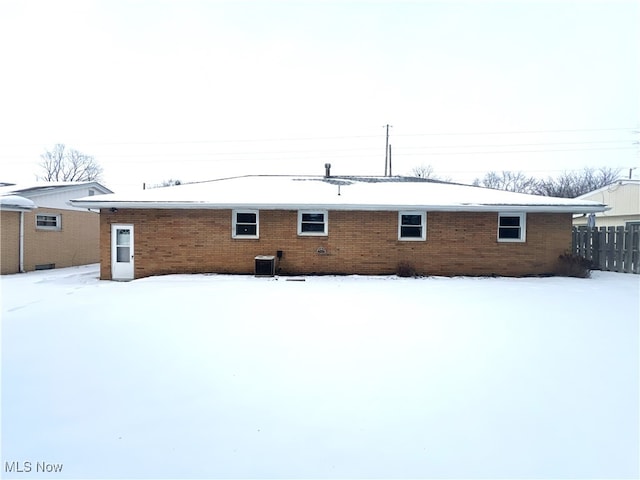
516, 144
519, 151
173, 157
510, 132
342, 137
371, 149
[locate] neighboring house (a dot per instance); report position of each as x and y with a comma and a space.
40, 230
623, 199
331, 225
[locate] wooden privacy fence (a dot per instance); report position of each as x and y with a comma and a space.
616, 249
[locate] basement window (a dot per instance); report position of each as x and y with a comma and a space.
48, 221
512, 227
245, 224
412, 226
312, 222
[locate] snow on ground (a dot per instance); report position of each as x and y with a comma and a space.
212, 376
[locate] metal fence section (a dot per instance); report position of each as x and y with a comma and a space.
615, 249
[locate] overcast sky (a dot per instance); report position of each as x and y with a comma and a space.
196, 90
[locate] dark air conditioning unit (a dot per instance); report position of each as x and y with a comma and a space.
265, 266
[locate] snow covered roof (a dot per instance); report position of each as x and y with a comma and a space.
16, 203
40, 188
617, 183
275, 192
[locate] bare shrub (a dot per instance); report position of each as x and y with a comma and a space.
405, 269
572, 265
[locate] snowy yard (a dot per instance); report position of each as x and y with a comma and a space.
212, 376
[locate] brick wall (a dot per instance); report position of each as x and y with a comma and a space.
9, 242
76, 243
458, 243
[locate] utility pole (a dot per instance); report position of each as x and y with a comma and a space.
390, 174
386, 151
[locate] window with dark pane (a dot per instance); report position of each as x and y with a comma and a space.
243, 229
246, 224
246, 218
312, 223
48, 221
411, 226
313, 217
510, 227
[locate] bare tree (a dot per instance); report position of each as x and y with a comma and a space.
508, 180
567, 185
574, 184
427, 171
67, 165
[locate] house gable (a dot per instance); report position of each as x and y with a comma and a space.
623, 200
56, 194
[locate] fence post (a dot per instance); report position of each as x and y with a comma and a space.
635, 248
602, 245
619, 249
595, 247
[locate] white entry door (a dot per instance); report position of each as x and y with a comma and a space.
122, 252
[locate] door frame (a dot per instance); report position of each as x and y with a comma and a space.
130, 273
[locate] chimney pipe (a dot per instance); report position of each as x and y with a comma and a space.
327, 169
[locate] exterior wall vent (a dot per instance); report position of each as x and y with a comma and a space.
46, 266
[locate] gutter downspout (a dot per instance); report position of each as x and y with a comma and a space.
21, 244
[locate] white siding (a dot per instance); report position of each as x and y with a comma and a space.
623, 198
58, 198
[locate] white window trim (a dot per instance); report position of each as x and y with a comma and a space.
234, 222
313, 234
423, 224
58, 225
523, 228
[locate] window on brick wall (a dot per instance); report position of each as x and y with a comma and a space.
512, 227
412, 226
245, 224
48, 221
313, 222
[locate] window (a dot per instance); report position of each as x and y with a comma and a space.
47, 221
511, 227
412, 226
245, 224
312, 222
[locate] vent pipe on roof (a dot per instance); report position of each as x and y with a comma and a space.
327, 169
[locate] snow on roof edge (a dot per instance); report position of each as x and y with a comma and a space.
582, 208
16, 203
43, 188
295, 192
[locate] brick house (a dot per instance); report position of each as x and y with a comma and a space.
40, 230
331, 225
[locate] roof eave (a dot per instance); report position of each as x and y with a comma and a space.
41, 190
16, 208
550, 208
